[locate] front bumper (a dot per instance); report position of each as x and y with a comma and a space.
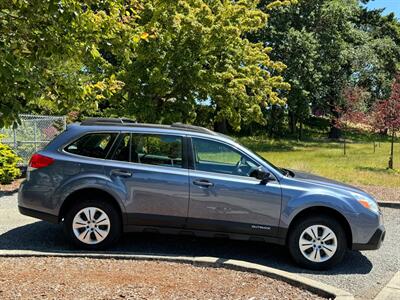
375, 241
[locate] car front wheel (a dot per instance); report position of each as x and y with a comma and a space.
317, 243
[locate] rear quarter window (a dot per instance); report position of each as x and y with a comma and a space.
95, 145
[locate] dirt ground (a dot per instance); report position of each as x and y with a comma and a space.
12, 187
383, 193
80, 278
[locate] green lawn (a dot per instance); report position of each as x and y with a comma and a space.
360, 166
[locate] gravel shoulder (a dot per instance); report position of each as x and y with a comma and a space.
383, 193
363, 274
72, 278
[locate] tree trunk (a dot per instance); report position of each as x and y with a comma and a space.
292, 122
344, 145
221, 126
334, 132
391, 152
300, 130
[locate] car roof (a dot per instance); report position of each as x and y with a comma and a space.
121, 122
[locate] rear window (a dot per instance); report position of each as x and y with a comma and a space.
95, 145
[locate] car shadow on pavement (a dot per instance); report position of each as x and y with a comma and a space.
44, 237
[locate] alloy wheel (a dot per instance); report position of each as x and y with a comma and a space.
318, 243
91, 225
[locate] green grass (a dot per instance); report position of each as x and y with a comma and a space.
360, 166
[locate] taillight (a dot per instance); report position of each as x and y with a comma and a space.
40, 161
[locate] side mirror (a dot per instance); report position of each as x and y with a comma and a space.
262, 175
267, 178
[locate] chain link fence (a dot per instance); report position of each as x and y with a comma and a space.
34, 133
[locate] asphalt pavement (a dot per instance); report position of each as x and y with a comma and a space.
363, 274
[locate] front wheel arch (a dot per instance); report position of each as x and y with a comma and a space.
322, 211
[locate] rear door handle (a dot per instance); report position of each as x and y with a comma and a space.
202, 182
121, 173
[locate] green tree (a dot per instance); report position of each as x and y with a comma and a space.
329, 45
387, 117
379, 56
155, 60
49, 57
195, 52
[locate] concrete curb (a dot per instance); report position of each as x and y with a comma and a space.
391, 290
319, 288
390, 204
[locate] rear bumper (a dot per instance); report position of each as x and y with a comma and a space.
375, 242
38, 214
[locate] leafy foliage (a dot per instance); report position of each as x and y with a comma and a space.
49, 57
195, 54
194, 61
387, 116
330, 46
155, 60
8, 164
351, 111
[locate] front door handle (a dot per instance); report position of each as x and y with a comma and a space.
203, 182
121, 173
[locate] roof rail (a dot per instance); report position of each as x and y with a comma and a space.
192, 128
133, 123
108, 121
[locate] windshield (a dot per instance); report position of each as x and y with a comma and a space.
280, 170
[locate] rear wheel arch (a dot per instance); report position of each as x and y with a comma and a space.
322, 211
83, 193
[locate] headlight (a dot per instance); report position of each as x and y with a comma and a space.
366, 202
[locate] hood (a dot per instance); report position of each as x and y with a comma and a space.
325, 182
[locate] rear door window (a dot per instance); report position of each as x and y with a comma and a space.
95, 145
150, 149
123, 150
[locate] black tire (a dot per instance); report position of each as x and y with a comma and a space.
115, 228
297, 230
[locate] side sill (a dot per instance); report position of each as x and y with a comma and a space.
203, 233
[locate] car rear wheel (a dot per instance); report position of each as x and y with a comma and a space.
317, 243
92, 224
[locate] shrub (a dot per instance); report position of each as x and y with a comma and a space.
8, 164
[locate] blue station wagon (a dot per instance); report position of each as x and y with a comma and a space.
103, 177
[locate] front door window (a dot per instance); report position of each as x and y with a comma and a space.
211, 156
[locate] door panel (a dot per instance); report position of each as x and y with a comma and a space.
223, 195
234, 204
151, 169
157, 196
